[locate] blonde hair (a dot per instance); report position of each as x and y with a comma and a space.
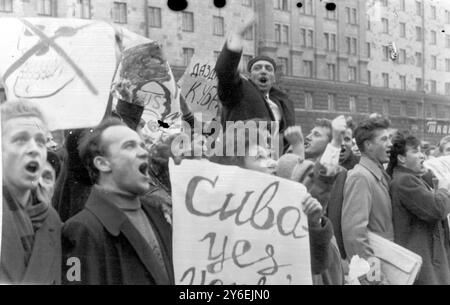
20, 108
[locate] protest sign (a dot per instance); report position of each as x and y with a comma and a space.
199, 87
235, 226
440, 167
65, 65
145, 78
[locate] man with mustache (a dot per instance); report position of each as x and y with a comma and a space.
117, 237
254, 97
31, 228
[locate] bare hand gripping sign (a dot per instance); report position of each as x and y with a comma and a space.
233, 226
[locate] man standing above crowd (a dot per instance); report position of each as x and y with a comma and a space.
117, 238
367, 204
244, 99
31, 228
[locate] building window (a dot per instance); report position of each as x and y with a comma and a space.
6, 6
418, 33
433, 12
354, 49
308, 100
187, 22
351, 15
310, 40
370, 104
447, 65
386, 106
369, 55
402, 5
333, 42
348, 42
368, 27
447, 16
331, 102
327, 41
385, 24
419, 110
403, 82
187, 55
281, 5
120, 12
418, 59
385, 53
433, 37
352, 103
302, 37
354, 16
248, 35
418, 8
331, 71
331, 14
352, 74
385, 77
245, 60
216, 55
433, 86
277, 32
384, 3
308, 68
433, 62
308, 7
45, 7
403, 106
447, 41
447, 88
154, 17
402, 56
248, 3
402, 29
219, 27
419, 84
284, 65
285, 34
369, 78
85, 11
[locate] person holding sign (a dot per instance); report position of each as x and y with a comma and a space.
419, 211
256, 97
31, 232
117, 238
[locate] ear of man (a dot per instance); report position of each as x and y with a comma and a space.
102, 164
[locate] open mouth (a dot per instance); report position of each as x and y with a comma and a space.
32, 167
263, 80
143, 168
307, 144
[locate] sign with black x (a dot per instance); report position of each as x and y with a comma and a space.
65, 65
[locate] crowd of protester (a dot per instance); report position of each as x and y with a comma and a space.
104, 198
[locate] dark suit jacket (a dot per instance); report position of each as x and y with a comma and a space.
242, 100
111, 250
44, 266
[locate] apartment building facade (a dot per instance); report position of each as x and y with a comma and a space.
332, 61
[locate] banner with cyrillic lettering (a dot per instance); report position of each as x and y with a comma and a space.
235, 226
199, 87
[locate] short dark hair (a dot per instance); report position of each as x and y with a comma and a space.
91, 146
400, 142
350, 123
324, 123
366, 129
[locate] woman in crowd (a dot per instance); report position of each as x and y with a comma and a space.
419, 210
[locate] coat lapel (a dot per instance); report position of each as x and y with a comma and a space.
163, 233
12, 253
44, 254
115, 221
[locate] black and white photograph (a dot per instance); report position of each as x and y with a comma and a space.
225, 142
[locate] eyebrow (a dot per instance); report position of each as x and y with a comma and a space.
129, 142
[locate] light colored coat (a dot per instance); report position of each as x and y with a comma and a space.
366, 207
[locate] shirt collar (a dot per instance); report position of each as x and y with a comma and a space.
372, 166
122, 201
